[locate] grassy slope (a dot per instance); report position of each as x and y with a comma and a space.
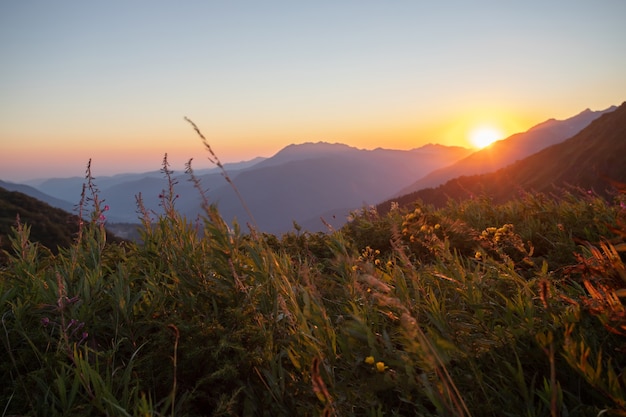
457, 316
476, 308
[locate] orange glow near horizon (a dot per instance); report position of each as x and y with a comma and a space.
478, 128
129, 148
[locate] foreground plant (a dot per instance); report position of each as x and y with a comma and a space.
474, 309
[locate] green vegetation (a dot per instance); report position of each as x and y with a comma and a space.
472, 309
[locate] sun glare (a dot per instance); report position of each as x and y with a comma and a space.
483, 136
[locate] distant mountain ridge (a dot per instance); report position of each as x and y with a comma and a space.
69, 189
509, 150
302, 182
307, 181
593, 159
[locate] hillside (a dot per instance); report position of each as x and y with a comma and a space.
475, 309
50, 226
505, 152
39, 195
590, 160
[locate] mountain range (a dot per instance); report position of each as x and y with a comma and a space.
300, 183
592, 160
505, 152
305, 182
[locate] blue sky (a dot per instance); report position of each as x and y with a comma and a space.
112, 80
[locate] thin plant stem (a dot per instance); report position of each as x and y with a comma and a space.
213, 158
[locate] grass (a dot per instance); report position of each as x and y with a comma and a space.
474, 309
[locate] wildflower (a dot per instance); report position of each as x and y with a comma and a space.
369, 360
106, 208
380, 366
478, 255
437, 226
45, 321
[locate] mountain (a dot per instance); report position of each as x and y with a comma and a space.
35, 193
507, 151
303, 182
307, 181
299, 183
593, 159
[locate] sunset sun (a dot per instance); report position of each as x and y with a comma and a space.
484, 136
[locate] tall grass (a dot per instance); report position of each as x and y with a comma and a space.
474, 309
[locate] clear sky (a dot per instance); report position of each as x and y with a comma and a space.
112, 80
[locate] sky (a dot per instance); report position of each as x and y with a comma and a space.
112, 81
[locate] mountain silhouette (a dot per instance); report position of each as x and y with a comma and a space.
307, 181
303, 182
592, 160
505, 152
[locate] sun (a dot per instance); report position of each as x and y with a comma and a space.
484, 136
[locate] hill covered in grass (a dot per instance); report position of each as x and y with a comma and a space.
476, 308
501, 304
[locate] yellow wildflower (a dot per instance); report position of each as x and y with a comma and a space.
380, 366
369, 360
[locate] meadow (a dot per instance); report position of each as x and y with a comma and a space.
475, 308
